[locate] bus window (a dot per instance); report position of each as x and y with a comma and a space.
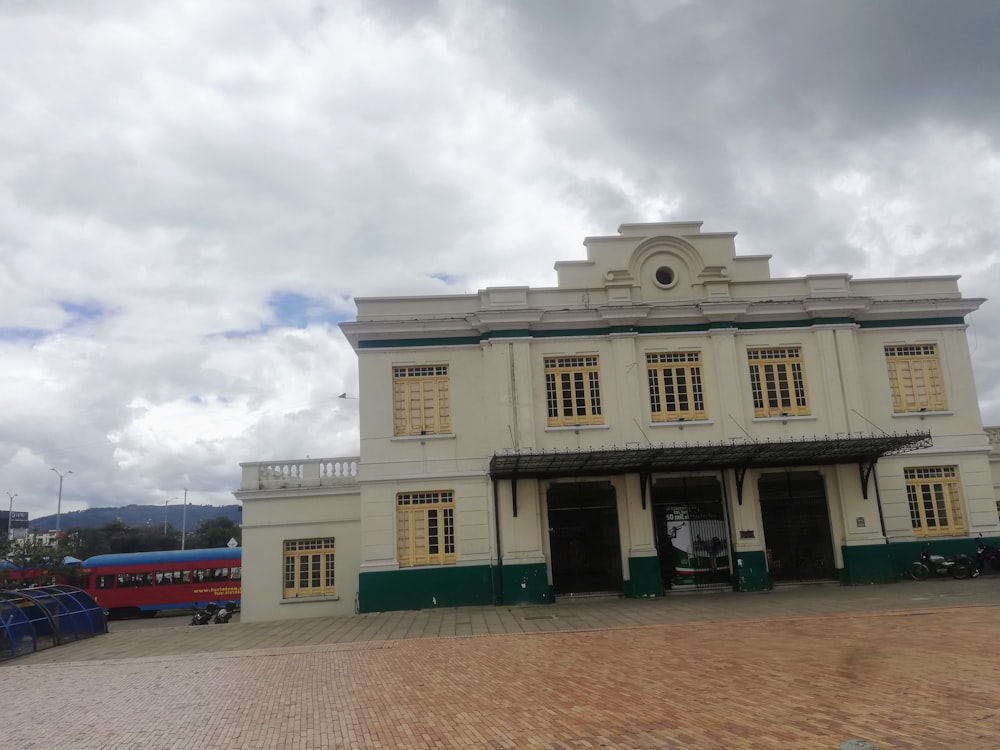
186, 576
235, 573
105, 582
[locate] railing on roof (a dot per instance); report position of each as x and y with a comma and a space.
301, 472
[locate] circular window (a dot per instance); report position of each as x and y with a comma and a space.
665, 277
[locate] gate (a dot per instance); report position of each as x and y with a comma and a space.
796, 526
584, 540
692, 533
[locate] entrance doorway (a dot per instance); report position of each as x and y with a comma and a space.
796, 526
692, 536
584, 544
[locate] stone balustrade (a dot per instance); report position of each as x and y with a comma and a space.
302, 472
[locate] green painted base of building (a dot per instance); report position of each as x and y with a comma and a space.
872, 563
525, 584
480, 585
888, 563
752, 573
452, 586
426, 588
644, 578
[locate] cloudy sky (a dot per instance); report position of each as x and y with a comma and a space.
191, 193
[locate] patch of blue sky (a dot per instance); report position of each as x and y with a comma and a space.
80, 313
77, 314
23, 335
293, 310
245, 334
447, 278
208, 400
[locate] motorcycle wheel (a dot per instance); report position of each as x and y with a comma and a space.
919, 572
960, 570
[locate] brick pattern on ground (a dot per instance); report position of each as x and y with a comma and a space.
917, 679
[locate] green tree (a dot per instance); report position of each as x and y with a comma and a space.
215, 532
34, 560
5, 562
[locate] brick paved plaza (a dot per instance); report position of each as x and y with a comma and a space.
904, 666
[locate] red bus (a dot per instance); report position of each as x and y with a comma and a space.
140, 584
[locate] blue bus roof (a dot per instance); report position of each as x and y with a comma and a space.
166, 556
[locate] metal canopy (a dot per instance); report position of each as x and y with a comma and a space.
862, 449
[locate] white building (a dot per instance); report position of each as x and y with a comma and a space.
669, 416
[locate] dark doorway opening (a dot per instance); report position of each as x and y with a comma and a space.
583, 538
796, 526
692, 534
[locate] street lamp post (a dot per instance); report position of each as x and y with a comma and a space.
10, 515
184, 520
59, 504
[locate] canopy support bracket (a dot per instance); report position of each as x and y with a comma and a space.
865, 469
643, 481
741, 472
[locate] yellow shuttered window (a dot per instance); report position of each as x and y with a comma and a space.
310, 567
778, 382
675, 386
421, 400
915, 378
573, 391
425, 528
935, 500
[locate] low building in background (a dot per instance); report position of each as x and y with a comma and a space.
14, 524
667, 418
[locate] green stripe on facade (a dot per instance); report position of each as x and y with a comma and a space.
907, 322
648, 330
770, 324
403, 343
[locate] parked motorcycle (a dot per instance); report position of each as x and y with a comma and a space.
987, 557
959, 566
204, 615
225, 613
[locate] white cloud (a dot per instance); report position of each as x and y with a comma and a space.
191, 194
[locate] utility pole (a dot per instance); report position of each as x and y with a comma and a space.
165, 504
59, 504
10, 515
184, 520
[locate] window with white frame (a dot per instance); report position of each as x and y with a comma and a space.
310, 567
425, 528
573, 390
778, 382
915, 378
675, 386
935, 499
421, 400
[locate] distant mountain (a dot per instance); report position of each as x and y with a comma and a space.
139, 515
